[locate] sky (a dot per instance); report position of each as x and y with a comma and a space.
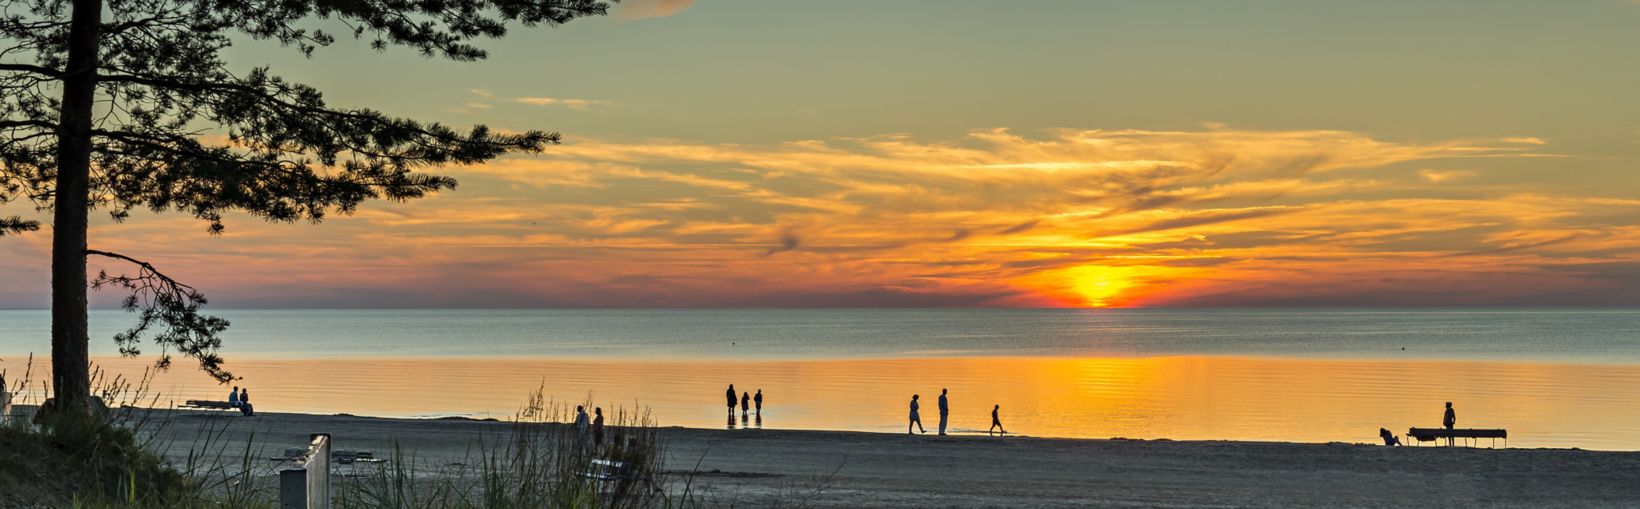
1161, 153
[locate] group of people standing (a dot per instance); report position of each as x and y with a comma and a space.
945, 416
747, 400
597, 423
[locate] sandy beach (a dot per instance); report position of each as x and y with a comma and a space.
757, 467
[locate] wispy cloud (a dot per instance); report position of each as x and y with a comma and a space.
577, 104
638, 9
1439, 176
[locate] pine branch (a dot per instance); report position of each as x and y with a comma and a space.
41, 70
158, 298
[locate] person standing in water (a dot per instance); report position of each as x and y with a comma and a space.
758, 400
996, 423
730, 394
1449, 420
945, 411
915, 419
745, 403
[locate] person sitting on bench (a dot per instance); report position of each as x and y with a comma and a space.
1389, 438
245, 403
233, 397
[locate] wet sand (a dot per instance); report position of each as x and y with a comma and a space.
757, 467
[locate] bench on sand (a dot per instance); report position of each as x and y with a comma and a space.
203, 404
1433, 434
618, 474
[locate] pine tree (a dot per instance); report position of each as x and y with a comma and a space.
107, 106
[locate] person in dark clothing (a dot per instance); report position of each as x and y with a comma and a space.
915, 418
745, 403
1450, 420
245, 403
598, 427
731, 395
758, 400
945, 411
996, 423
1389, 438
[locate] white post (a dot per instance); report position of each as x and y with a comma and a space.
307, 486
318, 472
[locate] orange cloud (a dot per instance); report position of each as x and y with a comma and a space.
1070, 218
638, 9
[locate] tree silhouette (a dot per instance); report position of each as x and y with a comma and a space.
128, 104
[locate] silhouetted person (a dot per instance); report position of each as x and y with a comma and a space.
1389, 438
245, 402
598, 426
945, 410
580, 419
5, 400
730, 394
1450, 420
745, 403
758, 400
996, 423
915, 419
233, 397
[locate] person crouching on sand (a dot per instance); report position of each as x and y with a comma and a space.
1389, 438
915, 419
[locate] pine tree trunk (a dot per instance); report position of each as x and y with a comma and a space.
70, 362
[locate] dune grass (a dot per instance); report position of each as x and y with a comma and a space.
538, 462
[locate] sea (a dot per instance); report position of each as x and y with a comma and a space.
1551, 377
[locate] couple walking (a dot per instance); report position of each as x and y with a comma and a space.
746, 400
945, 415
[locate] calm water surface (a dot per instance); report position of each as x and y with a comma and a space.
1554, 378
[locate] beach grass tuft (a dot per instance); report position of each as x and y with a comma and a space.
541, 461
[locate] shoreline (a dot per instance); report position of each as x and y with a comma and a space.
853, 469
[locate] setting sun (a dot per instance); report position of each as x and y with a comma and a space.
1099, 285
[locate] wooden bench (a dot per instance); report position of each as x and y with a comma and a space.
1433, 434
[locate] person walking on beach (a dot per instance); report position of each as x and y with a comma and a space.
1450, 420
915, 419
730, 394
945, 411
598, 426
996, 423
758, 400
